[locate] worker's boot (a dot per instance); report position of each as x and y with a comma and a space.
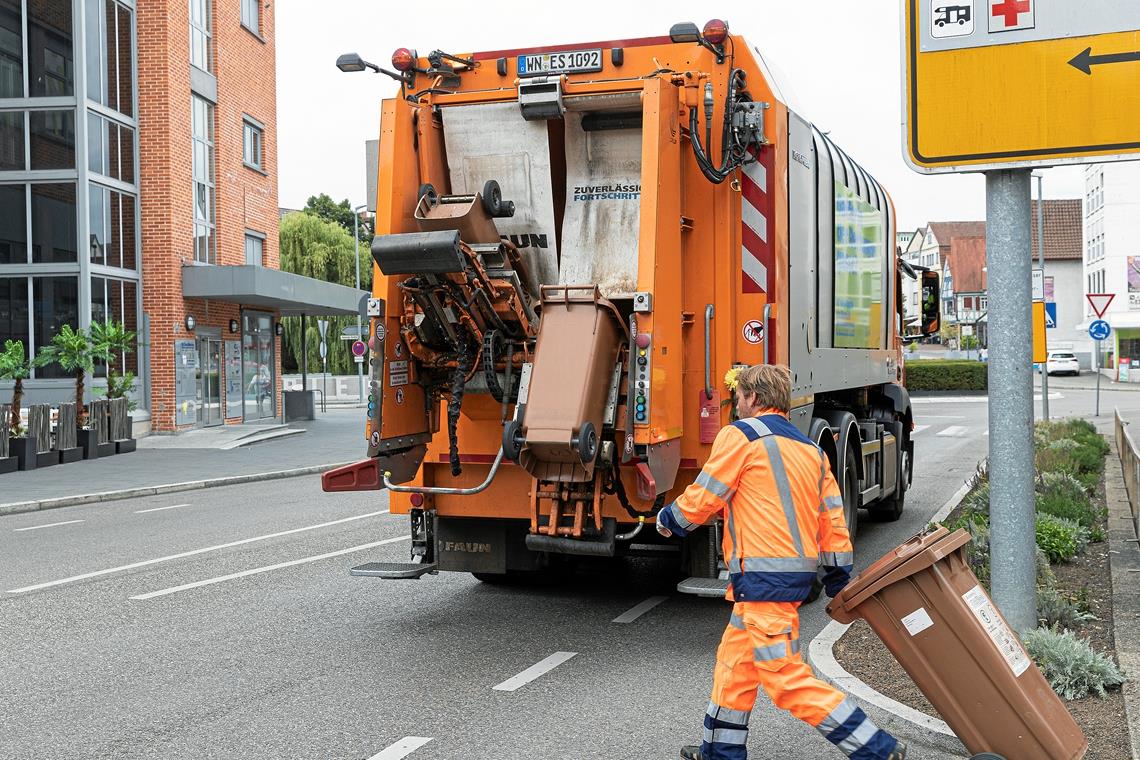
899, 752
692, 753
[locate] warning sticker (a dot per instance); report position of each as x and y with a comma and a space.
397, 373
917, 621
1004, 639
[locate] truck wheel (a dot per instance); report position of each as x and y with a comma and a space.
851, 492
891, 509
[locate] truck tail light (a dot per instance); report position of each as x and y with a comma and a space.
715, 31
403, 59
417, 500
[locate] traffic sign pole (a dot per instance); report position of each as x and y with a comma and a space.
1009, 262
1041, 264
1098, 331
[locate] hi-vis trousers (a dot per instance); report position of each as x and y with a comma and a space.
761, 648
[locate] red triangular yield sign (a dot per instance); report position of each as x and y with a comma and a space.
1100, 302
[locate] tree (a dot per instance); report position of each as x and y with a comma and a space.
15, 366
73, 351
321, 249
111, 341
323, 207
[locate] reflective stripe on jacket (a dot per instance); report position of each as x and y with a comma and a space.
782, 509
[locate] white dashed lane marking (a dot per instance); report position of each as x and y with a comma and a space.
265, 569
514, 683
48, 525
634, 613
402, 748
954, 431
159, 509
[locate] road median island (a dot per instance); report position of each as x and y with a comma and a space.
1074, 647
932, 375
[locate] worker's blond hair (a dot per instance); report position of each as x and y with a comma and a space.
772, 384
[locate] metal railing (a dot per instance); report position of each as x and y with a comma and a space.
1130, 464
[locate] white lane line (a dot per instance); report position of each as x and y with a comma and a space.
918, 429
515, 683
159, 509
402, 748
265, 569
191, 553
954, 431
635, 612
48, 525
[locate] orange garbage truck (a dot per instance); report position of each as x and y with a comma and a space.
574, 247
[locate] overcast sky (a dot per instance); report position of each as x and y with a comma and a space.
841, 59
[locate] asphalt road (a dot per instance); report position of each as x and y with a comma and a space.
223, 624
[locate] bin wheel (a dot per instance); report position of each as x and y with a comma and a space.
851, 492
587, 442
987, 756
492, 198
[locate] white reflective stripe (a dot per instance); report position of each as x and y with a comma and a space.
724, 714
831, 502
858, 738
736, 621
785, 490
680, 517
758, 174
712, 485
757, 426
753, 267
838, 717
754, 219
794, 646
837, 559
780, 564
770, 652
726, 736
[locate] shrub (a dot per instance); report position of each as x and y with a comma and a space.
946, 375
1070, 665
1056, 609
1062, 495
1060, 539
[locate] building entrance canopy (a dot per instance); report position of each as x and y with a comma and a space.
270, 289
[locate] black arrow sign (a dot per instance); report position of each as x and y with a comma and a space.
1086, 60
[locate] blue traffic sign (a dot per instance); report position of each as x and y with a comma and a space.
1050, 316
1099, 330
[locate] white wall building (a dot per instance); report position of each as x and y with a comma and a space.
1112, 254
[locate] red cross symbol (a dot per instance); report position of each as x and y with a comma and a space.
1011, 9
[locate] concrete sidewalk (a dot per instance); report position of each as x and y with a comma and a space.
1124, 556
335, 437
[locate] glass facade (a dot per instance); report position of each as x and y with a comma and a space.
201, 42
202, 132
259, 366
251, 138
251, 15
68, 170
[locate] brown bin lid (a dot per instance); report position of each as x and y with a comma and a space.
914, 556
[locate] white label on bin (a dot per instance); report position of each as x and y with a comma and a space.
917, 621
995, 626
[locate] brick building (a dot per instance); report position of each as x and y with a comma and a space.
138, 182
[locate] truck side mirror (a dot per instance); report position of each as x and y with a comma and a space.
931, 303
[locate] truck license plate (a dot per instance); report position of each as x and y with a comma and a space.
565, 62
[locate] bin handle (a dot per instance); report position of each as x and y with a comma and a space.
943, 549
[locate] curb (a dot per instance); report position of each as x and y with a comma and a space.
899, 719
1124, 560
132, 493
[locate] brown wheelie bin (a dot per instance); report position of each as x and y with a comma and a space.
927, 606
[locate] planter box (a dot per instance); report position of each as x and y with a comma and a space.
9, 464
87, 443
106, 449
47, 459
67, 456
125, 446
24, 450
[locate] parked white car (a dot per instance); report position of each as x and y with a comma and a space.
1062, 363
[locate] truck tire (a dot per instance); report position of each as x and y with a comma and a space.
850, 490
891, 508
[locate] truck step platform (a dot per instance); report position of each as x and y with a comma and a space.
394, 571
711, 587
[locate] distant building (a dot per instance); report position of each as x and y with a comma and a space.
1111, 253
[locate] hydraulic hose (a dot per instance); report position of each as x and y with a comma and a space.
458, 381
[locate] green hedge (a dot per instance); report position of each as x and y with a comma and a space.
946, 375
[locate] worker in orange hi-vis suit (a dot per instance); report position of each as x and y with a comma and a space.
783, 518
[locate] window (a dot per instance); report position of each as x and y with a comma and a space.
55, 303
52, 139
111, 215
252, 144
251, 15
11, 50
12, 141
201, 44
110, 77
202, 126
983, 303
51, 71
14, 309
254, 248
54, 224
13, 225
110, 148
116, 300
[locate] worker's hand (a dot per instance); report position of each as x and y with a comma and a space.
661, 527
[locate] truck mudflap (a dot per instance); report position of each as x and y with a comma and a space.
359, 476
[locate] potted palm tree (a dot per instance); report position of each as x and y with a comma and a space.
17, 367
74, 351
111, 341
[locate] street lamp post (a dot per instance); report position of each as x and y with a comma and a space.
356, 241
1041, 263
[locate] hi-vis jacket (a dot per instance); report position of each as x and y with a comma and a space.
782, 509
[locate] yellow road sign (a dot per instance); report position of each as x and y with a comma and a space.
1004, 83
1040, 349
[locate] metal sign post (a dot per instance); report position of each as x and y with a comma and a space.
1041, 265
1012, 507
1098, 331
323, 326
